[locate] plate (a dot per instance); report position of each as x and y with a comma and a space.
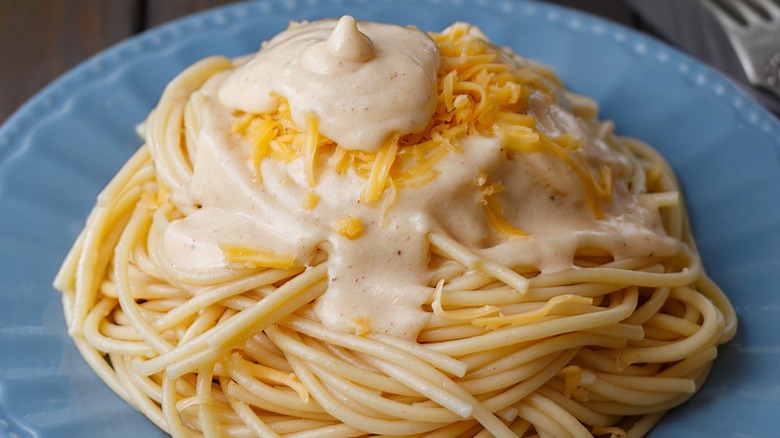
61, 148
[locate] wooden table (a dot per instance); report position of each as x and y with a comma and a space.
41, 39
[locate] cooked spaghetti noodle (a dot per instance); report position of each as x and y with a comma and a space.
505, 266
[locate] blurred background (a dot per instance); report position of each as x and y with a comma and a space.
41, 39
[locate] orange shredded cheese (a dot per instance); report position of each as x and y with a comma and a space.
493, 210
310, 201
274, 376
380, 171
310, 147
254, 257
481, 91
361, 325
350, 227
152, 200
461, 314
572, 377
494, 322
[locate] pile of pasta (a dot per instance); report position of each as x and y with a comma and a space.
604, 348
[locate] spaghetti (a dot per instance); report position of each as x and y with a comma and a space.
503, 266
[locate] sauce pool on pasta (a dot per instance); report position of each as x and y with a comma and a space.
364, 229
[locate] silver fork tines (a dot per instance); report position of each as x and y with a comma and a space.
753, 27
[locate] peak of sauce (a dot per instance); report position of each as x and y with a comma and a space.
347, 42
366, 81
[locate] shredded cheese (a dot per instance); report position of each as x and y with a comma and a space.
459, 314
481, 91
493, 322
152, 200
310, 147
493, 210
350, 227
310, 201
380, 171
254, 257
572, 377
361, 325
274, 376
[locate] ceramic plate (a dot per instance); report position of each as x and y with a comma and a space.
61, 148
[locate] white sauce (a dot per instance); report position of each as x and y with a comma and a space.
383, 276
336, 70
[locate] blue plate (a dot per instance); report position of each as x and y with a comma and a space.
61, 148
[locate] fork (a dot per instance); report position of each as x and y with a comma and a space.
753, 27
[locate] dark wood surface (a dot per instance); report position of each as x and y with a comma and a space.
42, 39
